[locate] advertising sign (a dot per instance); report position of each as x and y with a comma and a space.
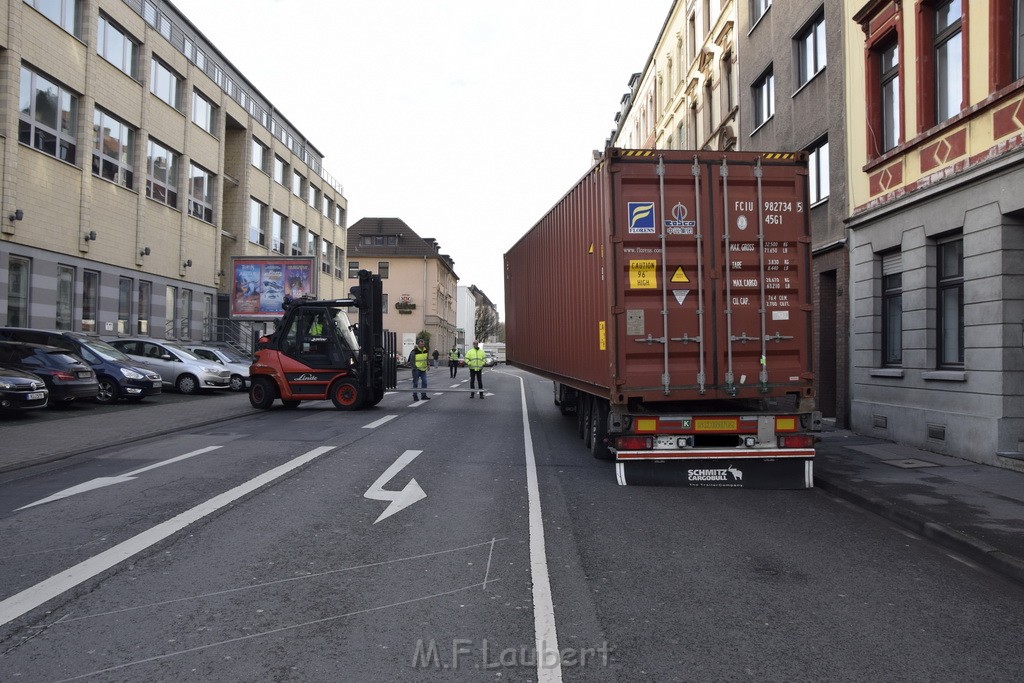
259, 285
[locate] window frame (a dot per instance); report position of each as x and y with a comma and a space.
257, 222
165, 83
64, 315
818, 171
122, 165
811, 50
128, 61
90, 300
353, 269
296, 243
263, 150
763, 97
63, 133
949, 283
339, 262
758, 8
892, 310
162, 191
200, 195
280, 170
204, 112
19, 303
384, 269
125, 289
277, 225
69, 17
145, 306
947, 80
326, 253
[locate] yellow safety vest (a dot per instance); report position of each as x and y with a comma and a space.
421, 359
475, 359
454, 355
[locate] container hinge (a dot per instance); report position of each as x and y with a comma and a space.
650, 340
687, 339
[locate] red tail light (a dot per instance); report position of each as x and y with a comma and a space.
796, 441
64, 376
633, 443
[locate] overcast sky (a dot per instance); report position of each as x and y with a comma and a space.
467, 119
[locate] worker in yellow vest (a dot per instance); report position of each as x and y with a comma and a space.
418, 359
475, 358
453, 361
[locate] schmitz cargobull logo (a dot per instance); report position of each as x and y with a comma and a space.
728, 476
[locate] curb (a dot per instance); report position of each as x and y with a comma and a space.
977, 550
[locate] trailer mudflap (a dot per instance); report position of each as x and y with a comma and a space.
747, 473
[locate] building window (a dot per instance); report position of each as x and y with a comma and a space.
353, 269
811, 51
691, 38
259, 155
297, 183
204, 112
170, 310
257, 222
339, 215
948, 60
90, 300
113, 157
145, 306
162, 174
384, 303
383, 269
200, 193
115, 45
892, 309
48, 116
207, 316
124, 305
65, 297
326, 251
277, 233
296, 249
311, 195
889, 87
757, 9
64, 13
326, 208
164, 83
185, 311
709, 110
764, 98
311, 244
728, 87
817, 171
339, 262
280, 170
950, 286
18, 276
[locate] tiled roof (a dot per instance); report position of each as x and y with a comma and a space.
409, 244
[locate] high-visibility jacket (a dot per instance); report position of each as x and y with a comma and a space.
475, 359
453, 356
419, 358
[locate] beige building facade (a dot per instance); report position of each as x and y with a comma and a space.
137, 163
420, 284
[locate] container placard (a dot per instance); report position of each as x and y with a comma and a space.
643, 274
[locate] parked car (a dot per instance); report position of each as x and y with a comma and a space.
118, 375
67, 377
231, 358
20, 390
178, 367
489, 359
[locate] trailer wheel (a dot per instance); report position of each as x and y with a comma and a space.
599, 430
262, 393
347, 395
588, 418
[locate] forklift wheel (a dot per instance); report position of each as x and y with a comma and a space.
262, 393
347, 395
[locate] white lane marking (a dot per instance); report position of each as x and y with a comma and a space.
400, 500
416, 404
456, 386
30, 598
384, 420
100, 482
549, 661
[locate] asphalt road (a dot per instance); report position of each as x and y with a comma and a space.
171, 560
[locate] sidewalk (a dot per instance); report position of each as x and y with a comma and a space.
973, 509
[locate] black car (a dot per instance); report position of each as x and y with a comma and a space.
119, 376
20, 390
67, 376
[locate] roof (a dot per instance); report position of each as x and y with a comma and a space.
407, 244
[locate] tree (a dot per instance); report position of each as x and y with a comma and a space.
486, 324
425, 336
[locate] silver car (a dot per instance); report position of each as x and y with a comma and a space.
178, 367
233, 360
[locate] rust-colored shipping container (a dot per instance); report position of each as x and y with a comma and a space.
668, 296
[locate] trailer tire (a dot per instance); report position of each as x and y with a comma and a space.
347, 395
262, 393
599, 430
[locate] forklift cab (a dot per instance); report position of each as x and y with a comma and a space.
320, 337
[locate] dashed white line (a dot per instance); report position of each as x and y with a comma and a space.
384, 420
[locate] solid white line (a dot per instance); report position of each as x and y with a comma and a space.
549, 663
378, 423
30, 598
171, 460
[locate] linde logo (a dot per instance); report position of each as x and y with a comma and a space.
306, 377
728, 475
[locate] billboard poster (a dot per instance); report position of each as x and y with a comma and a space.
260, 285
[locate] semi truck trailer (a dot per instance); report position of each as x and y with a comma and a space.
667, 295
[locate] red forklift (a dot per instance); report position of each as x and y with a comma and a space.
318, 353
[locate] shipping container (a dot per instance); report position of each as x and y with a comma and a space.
668, 296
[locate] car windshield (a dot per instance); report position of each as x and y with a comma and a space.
232, 355
182, 351
106, 351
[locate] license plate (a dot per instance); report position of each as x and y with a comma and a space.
665, 442
36, 396
82, 374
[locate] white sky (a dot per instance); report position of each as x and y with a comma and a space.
467, 119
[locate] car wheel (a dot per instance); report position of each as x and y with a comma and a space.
108, 392
262, 393
187, 384
347, 395
237, 383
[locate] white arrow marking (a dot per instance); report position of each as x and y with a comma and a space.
399, 499
100, 482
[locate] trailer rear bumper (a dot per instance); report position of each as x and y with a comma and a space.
744, 471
